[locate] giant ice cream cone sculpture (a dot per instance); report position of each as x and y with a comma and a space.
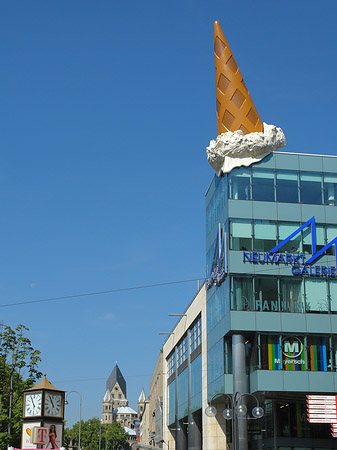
242, 137
234, 105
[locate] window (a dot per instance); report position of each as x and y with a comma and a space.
264, 235
333, 295
182, 354
270, 352
316, 298
287, 186
239, 184
242, 294
240, 235
318, 353
215, 307
196, 335
172, 364
263, 185
331, 233
284, 230
266, 294
311, 188
292, 295
330, 189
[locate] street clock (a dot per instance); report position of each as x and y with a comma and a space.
43, 406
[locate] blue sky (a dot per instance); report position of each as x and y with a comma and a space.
106, 110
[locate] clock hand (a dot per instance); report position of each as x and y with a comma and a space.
52, 402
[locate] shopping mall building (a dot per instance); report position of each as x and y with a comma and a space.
265, 321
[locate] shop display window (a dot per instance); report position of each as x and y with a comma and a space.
318, 353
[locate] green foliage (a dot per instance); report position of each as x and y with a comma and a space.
113, 435
18, 371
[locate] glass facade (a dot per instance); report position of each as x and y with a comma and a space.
185, 359
286, 186
287, 352
283, 294
259, 208
263, 235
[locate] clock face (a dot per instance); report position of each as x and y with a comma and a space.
53, 404
33, 404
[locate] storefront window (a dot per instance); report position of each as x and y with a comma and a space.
264, 235
263, 185
311, 188
292, 295
270, 352
242, 294
241, 235
266, 298
318, 353
239, 184
330, 189
287, 186
316, 298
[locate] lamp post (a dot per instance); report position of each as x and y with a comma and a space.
79, 428
236, 410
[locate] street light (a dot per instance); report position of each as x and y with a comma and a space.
79, 428
236, 410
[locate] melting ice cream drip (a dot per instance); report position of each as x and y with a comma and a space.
235, 149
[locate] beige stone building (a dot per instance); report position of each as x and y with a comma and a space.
185, 366
151, 426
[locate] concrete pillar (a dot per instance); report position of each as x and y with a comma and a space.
239, 386
181, 436
194, 433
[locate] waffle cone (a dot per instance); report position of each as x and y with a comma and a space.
234, 105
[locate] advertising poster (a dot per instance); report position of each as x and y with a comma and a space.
55, 435
27, 433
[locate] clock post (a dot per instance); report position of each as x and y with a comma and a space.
43, 406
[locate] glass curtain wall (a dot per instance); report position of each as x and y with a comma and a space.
285, 186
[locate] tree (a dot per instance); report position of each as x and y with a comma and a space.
113, 435
18, 371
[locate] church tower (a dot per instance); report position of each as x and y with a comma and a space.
115, 404
142, 400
